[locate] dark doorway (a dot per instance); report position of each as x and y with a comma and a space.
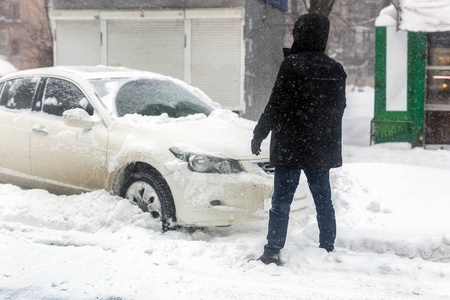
437, 100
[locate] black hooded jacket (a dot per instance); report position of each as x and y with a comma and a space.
307, 103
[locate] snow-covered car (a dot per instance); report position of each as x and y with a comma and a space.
152, 139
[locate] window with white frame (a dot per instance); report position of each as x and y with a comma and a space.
15, 14
15, 48
2, 42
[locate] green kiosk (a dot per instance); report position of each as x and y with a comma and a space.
412, 74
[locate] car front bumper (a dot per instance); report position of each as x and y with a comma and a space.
205, 199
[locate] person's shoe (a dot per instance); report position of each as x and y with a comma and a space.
329, 248
269, 260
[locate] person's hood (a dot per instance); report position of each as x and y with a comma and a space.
310, 33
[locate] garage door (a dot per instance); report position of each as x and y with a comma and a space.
78, 43
202, 47
156, 46
216, 59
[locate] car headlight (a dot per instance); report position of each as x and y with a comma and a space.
208, 164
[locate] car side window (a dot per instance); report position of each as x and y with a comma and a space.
61, 95
19, 93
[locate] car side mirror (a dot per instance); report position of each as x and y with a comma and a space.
78, 117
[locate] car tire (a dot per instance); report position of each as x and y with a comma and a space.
148, 190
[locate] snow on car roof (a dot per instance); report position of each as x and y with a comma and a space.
99, 72
93, 72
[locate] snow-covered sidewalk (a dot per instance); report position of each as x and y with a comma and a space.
393, 242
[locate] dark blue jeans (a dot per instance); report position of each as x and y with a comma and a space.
286, 182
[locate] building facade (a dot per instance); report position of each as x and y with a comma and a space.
229, 49
25, 36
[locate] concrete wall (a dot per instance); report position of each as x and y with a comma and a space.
264, 37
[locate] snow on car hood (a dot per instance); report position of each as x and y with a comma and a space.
222, 133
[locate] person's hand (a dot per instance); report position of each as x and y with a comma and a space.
256, 146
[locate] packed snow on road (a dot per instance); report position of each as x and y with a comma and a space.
392, 206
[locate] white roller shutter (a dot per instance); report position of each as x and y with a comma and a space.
78, 43
204, 47
156, 46
216, 63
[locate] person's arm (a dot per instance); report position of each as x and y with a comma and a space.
276, 108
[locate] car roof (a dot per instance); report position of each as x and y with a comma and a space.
89, 72
99, 72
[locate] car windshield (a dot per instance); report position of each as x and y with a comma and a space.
149, 97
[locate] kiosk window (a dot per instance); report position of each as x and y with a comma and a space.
438, 70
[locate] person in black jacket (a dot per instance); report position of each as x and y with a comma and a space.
304, 114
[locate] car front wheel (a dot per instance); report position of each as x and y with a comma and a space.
150, 192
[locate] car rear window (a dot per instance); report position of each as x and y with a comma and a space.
149, 97
155, 97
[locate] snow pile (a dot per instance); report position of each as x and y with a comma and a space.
145, 121
222, 134
223, 116
6, 67
425, 15
387, 17
409, 203
417, 15
393, 238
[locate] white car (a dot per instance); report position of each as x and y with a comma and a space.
155, 140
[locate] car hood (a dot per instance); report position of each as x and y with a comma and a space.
222, 134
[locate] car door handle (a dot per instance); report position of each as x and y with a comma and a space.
40, 130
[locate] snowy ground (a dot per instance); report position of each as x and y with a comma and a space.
392, 205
